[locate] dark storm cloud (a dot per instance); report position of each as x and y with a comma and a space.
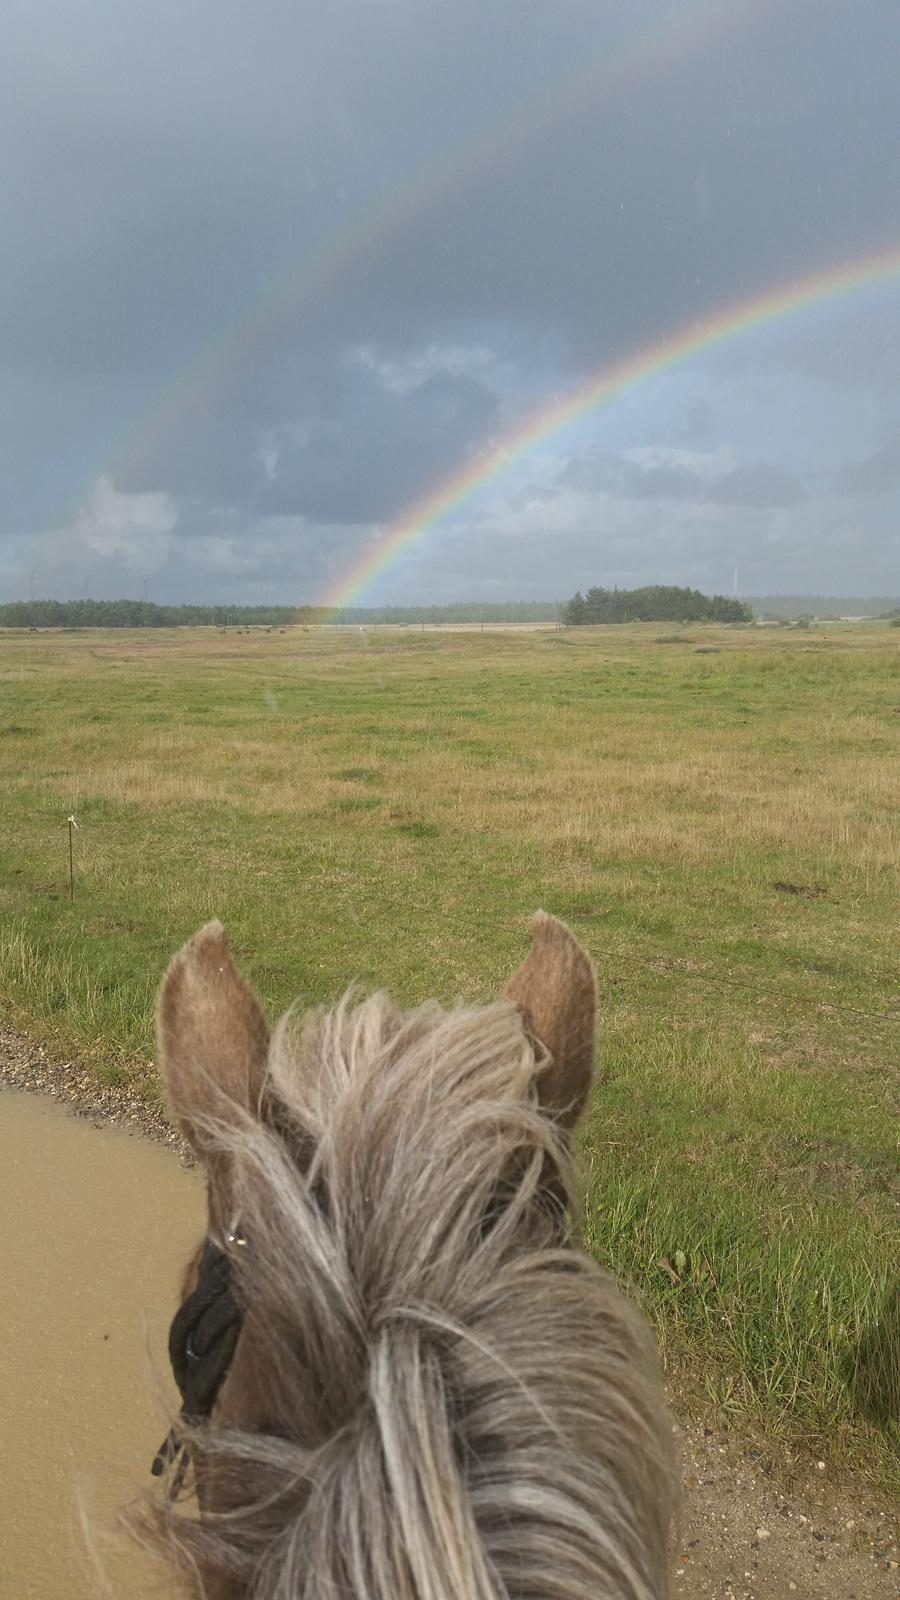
344, 449
681, 475
436, 189
380, 455
755, 484
876, 474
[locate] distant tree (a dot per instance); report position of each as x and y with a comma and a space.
656, 603
574, 612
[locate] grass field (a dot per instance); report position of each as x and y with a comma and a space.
711, 811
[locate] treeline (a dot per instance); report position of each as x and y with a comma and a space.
459, 611
144, 614
136, 614
657, 603
790, 606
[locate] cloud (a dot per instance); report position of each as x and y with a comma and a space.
755, 483
379, 450
668, 473
698, 465
875, 474
134, 526
408, 373
268, 279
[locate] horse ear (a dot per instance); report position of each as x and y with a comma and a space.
556, 992
212, 1036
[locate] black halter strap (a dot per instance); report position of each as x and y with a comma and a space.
202, 1341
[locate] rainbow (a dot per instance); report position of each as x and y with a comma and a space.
546, 422
689, 27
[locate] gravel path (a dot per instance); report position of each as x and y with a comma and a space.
743, 1536
24, 1064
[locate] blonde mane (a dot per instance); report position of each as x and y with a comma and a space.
438, 1395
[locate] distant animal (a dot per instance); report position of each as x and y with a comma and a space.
401, 1377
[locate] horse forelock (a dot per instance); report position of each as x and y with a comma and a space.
437, 1395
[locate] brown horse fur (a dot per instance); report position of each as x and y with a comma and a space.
436, 1395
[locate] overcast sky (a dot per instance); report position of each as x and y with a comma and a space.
272, 269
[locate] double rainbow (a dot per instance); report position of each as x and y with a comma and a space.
311, 279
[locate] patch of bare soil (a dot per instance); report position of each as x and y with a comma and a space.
743, 1534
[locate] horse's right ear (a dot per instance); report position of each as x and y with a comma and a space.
212, 1036
556, 992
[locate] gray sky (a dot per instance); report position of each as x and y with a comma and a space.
271, 271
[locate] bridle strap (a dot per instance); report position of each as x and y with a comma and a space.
202, 1339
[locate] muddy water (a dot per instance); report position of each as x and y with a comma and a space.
95, 1227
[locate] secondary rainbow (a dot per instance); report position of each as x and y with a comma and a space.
726, 322
309, 280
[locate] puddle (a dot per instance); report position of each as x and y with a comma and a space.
95, 1228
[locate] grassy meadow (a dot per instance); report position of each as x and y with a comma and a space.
710, 809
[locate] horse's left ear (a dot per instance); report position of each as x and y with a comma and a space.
556, 992
212, 1036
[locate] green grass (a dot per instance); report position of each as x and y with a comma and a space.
718, 829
